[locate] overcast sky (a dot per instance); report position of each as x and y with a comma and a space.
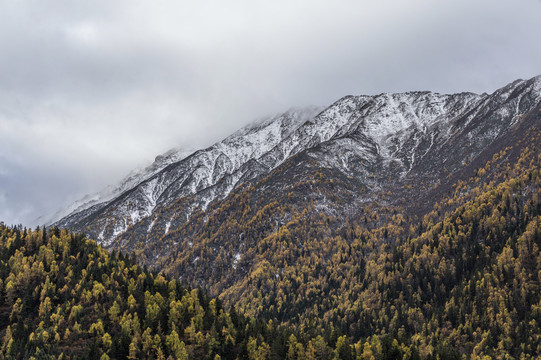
90, 90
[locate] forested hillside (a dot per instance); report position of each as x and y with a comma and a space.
64, 297
463, 281
464, 278
400, 226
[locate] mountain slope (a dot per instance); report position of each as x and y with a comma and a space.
199, 173
134, 178
64, 297
413, 215
465, 275
403, 137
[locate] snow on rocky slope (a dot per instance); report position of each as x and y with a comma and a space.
408, 131
112, 191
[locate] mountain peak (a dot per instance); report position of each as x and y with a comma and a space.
391, 135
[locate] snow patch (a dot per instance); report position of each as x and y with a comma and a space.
236, 259
151, 225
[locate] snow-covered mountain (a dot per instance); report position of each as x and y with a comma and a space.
135, 177
374, 140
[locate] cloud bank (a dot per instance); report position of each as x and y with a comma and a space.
90, 90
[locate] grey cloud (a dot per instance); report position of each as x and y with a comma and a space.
89, 90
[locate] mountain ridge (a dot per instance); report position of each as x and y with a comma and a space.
385, 130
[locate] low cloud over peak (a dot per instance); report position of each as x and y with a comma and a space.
90, 90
